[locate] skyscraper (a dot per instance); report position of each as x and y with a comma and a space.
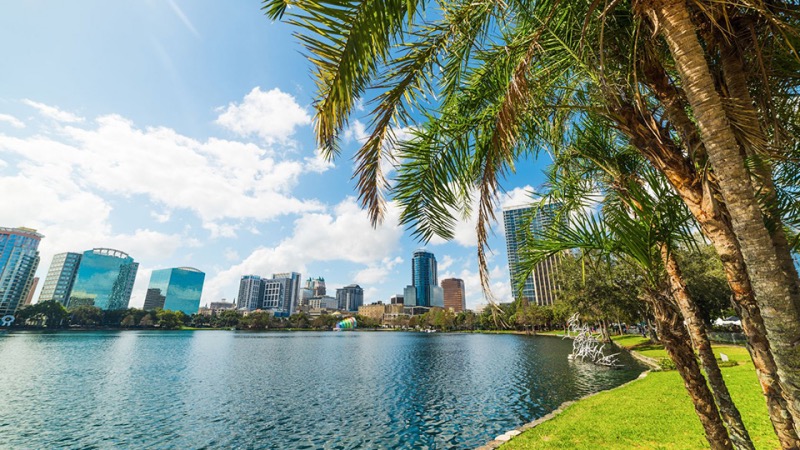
251, 293
60, 277
105, 279
520, 222
292, 297
279, 294
424, 289
454, 294
19, 259
350, 297
177, 289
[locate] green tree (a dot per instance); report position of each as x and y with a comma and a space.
169, 320
86, 316
128, 321
146, 321
50, 314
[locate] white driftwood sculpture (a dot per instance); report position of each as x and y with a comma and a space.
586, 346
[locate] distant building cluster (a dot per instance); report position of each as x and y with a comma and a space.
278, 295
100, 277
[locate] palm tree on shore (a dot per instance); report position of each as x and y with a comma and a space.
491, 78
649, 221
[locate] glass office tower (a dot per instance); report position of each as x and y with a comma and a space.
105, 279
177, 289
424, 289
19, 258
521, 223
60, 277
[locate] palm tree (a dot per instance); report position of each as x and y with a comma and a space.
641, 241
491, 80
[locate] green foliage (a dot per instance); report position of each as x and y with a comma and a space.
49, 314
706, 282
86, 316
169, 320
666, 364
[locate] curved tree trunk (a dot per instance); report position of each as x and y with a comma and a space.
713, 219
697, 329
775, 289
673, 335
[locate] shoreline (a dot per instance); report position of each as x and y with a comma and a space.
649, 362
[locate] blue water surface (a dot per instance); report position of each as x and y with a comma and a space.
285, 390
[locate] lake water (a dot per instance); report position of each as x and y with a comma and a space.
292, 390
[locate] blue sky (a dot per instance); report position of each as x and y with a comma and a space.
181, 133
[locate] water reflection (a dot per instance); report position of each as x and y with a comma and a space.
221, 389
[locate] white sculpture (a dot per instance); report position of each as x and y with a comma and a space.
586, 346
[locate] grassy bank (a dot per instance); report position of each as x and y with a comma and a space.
651, 413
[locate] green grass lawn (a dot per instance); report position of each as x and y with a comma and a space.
651, 413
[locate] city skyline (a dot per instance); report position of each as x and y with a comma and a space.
206, 159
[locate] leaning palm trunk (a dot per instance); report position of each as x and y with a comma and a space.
714, 221
740, 438
673, 335
775, 289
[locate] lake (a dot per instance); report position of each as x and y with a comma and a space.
292, 390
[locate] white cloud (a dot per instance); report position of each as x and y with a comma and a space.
344, 235
53, 112
271, 115
217, 179
357, 132
444, 263
11, 120
518, 197
318, 163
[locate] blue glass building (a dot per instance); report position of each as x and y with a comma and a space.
177, 289
424, 289
19, 258
105, 279
528, 222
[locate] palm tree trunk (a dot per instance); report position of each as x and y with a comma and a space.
715, 223
733, 72
775, 289
740, 438
673, 335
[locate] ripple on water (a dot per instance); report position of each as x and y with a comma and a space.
222, 389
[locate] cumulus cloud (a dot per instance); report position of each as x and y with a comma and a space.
271, 115
217, 179
343, 235
53, 113
11, 120
518, 197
